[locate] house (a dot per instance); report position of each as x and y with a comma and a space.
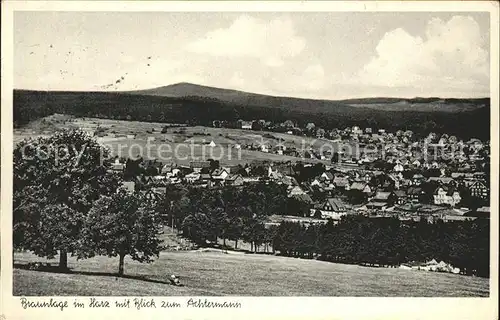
234, 180
442, 141
118, 167
246, 125
327, 176
356, 130
341, 182
295, 191
479, 189
174, 180
382, 200
166, 168
395, 180
304, 197
131, 136
279, 146
317, 182
205, 177
192, 177
400, 196
288, 181
128, 186
417, 179
360, 186
251, 179
442, 180
446, 195
175, 172
144, 180
454, 218
160, 190
333, 208
458, 175
220, 174
320, 133
415, 193
398, 167
197, 166
212, 144
155, 193
287, 170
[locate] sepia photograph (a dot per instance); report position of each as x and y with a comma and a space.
251, 153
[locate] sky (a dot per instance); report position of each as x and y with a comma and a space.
323, 55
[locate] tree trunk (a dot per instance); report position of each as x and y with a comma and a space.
224, 242
120, 266
251, 246
236, 244
63, 260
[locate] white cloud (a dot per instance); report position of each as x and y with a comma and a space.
313, 77
451, 56
270, 41
305, 82
237, 81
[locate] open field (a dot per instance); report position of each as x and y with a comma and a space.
212, 273
434, 106
134, 138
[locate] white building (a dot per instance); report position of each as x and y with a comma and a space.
443, 195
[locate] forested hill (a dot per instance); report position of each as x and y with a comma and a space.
476, 101
420, 104
186, 103
183, 90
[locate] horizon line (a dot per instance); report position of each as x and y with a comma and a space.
138, 92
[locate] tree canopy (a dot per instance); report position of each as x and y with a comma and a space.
56, 181
119, 225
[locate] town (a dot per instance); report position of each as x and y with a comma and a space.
383, 174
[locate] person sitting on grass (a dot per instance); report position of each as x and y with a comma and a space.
174, 280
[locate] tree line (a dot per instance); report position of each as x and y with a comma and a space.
390, 242
226, 213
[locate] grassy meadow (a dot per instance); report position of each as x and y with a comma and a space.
132, 138
219, 274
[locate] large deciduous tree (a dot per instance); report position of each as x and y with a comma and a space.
120, 225
55, 181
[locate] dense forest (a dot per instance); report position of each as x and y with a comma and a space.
390, 242
196, 110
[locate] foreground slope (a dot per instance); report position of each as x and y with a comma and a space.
210, 273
